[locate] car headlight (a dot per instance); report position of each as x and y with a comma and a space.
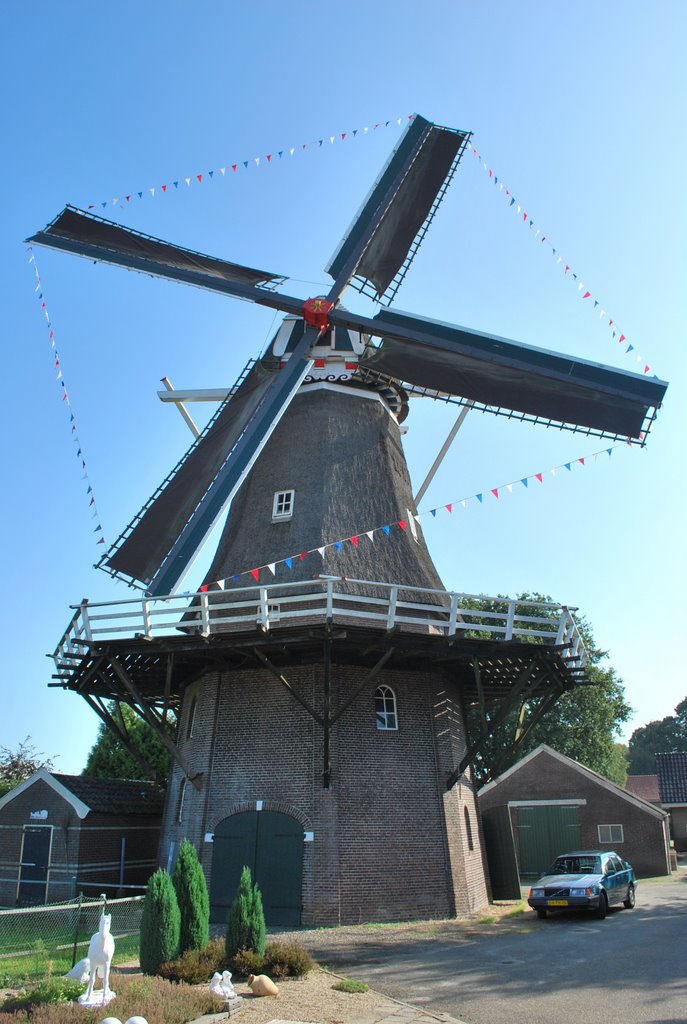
579, 892
536, 893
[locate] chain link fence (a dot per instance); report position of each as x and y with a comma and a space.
37, 941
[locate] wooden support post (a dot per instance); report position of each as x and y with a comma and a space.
520, 691
327, 767
366, 682
284, 681
154, 721
105, 716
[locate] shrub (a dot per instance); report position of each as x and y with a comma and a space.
54, 990
195, 966
350, 985
246, 920
160, 923
287, 960
159, 1001
247, 961
192, 895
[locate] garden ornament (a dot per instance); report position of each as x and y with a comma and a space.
100, 952
261, 985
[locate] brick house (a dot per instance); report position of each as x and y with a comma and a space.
65, 834
547, 803
672, 785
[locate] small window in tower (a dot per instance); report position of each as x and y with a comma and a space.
191, 718
468, 829
180, 802
385, 708
282, 506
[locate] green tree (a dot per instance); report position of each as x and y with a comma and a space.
160, 923
666, 736
110, 759
192, 896
583, 724
20, 764
246, 920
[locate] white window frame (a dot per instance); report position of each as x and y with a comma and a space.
283, 505
383, 723
607, 830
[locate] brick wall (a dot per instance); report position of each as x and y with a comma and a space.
545, 777
389, 842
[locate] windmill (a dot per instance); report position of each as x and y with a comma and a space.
333, 384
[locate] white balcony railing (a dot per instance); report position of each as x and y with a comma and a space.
325, 599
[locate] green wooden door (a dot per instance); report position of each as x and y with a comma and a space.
543, 833
35, 861
271, 845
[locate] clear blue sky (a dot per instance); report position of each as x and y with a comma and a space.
579, 108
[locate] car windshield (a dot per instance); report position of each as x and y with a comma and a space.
575, 865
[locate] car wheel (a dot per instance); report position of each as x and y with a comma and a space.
541, 913
602, 908
630, 901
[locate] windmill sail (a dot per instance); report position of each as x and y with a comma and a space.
141, 549
498, 372
417, 174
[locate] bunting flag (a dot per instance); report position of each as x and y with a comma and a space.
412, 518
59, 377
582, 291
125, 199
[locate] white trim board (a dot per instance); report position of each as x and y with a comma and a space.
43, 775
656, 812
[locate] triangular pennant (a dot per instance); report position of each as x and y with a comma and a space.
539, 477
271, 567
199, 177
387, 530
302, 555
525, 481
288, 562
321, 552
449, 508
354, 541
433, 513
255, 573
581, 461
402, 524
495, 491
371, 535
479, 498
338, 545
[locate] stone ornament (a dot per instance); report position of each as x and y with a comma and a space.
261, 985
220, 985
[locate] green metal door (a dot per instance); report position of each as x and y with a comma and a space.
543, 833
271, 845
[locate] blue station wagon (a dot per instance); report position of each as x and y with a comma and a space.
585, 880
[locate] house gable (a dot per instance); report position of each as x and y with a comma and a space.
80, 808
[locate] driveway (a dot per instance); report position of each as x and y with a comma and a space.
629, 969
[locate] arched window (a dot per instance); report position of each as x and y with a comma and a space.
191, 718
385, 708
180, 802
468, 829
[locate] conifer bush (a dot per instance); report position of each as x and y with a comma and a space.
160, 923
193, 899
246, 920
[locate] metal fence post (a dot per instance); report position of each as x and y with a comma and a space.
76, 928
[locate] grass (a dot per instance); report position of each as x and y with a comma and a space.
350, 985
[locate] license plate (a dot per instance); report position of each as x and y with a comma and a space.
557, 903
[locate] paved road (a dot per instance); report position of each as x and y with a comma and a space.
629, 969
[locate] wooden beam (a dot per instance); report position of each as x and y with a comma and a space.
155, 724
105, 716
